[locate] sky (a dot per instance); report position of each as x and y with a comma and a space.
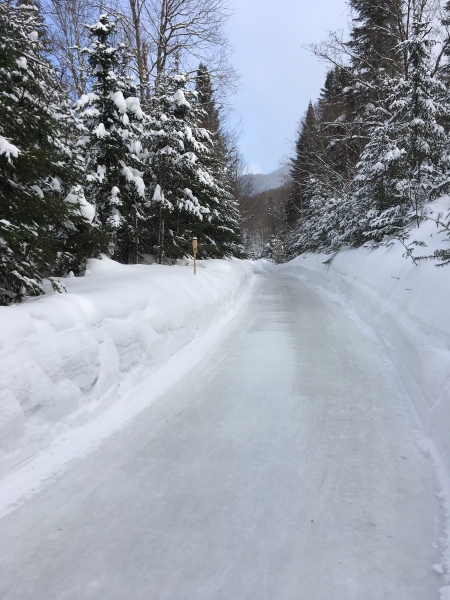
277, 76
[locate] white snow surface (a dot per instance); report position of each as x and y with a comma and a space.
283, 460
65, 357
408, 305
281, 466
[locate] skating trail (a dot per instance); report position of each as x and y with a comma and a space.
281, 468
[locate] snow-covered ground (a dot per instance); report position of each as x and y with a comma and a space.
408, 305
405, 304
281, 467
65, 357
265, 444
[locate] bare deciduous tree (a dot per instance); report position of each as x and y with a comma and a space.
161, 32
67, 37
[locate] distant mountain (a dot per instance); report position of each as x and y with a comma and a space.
262, 183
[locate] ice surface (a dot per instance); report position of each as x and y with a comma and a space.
281, 467
286, 464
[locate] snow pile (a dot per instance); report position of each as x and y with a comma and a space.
66, 357
408, 305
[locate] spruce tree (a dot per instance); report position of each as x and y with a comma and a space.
189, 198
374, 40
418, 109
111, 144
375, 209
305, 164
42, 207
220, 230
170, 169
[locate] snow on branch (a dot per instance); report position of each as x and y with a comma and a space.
8, 149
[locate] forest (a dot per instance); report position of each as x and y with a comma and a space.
113, 139
374, 148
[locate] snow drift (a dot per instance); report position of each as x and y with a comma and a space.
409, 307
64, 357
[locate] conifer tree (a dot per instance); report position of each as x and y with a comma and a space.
44, 215
305, 164
172, 168
220, 229
112, 147
187, 190
374, 40
375, 209
418, 109
339, 111
399, 115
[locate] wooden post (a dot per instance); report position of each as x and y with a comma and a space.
194, 248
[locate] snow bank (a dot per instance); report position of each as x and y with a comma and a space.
408, 305
66, 357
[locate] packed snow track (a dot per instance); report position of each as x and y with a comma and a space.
282, 467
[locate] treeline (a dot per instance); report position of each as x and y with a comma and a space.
112, 140
263, 222
375, 147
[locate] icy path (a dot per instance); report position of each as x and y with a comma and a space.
281, 468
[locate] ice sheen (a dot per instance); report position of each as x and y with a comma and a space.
280, 467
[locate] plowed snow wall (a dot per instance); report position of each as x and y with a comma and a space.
409, 307
64, 357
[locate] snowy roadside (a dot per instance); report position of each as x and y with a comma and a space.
407, 306
66, 358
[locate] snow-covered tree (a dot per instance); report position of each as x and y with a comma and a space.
111, 144
45, 221
171, 166
404, 163
374, 38
220, 230
376, 210
189, 198
418, 137
319, 228
305, 163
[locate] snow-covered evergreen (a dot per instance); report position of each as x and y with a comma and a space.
405, 160
220, 232
419, 109
375, 209
111, 144
45, 221
189, 195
